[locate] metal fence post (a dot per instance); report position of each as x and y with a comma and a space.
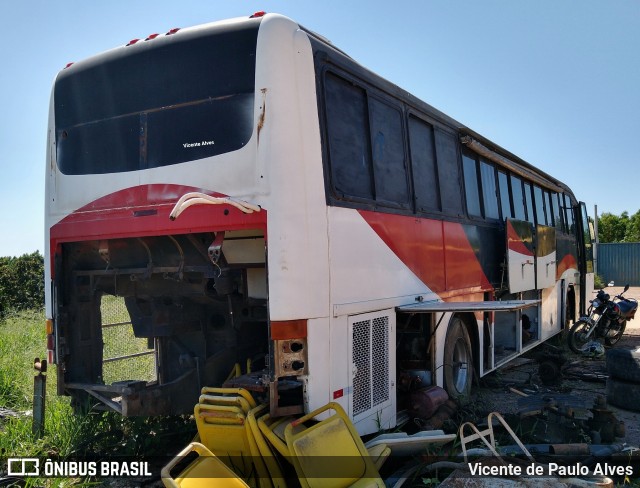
39, 395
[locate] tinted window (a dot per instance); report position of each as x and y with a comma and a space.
489, 190
423, 160
471, 186
348, 134
569, 214
528, 202
557, 205
539, 202
182, 98
588, 238
387, 142
448, 172
518, 198
503, 185
549, 207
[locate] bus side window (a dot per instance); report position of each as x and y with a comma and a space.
348, 138
505, 201
541, 217
449, 173
489, 190
518, 198
472, 194
529, 202
423, 162
549, 208
387, 142
568, 210
557, 212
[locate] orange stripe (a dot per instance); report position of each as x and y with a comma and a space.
289, 329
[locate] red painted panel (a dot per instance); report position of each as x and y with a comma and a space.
417, 242
144, 211
289, 329
463, 268
439, 253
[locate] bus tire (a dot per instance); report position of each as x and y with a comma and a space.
623, 394
458, 360
624, 364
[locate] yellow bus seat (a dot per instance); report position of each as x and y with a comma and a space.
204, 471
269, 429
232, 440
331, 446
221, 414
230, 401
273, 432
209, 390
263, 449
226, 437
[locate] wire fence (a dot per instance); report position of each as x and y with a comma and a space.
125, 357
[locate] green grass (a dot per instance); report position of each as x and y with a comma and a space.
67, 435
120, 341
22, 338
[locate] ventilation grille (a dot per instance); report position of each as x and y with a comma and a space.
362, 365
370, 356
380, 347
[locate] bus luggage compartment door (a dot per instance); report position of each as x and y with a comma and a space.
520, 256
545, 257
531, 256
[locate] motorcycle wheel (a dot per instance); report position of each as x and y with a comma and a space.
576, 339
611, 341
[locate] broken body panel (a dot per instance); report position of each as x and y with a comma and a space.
265, 270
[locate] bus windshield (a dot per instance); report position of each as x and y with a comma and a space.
170, 100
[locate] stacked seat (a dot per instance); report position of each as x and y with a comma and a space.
265, 452
221, 418
204, 471
330, 453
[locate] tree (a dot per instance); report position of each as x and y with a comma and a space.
632, 233
21, 282
613, 228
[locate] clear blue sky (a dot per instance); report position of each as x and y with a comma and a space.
556, 82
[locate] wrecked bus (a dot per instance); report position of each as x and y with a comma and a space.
242, 203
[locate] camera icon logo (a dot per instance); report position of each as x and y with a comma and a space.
23, 467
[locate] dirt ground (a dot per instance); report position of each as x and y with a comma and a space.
496, 392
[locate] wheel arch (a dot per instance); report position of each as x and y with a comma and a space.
571, 304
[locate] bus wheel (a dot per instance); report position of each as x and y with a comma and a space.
458, 360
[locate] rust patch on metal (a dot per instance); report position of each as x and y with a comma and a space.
263, 113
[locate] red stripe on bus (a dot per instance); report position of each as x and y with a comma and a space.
438, 253
144, 211
566, 263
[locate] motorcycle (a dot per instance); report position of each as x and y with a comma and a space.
606, 319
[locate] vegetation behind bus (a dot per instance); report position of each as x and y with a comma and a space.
619, 228
66, 435
21, 283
